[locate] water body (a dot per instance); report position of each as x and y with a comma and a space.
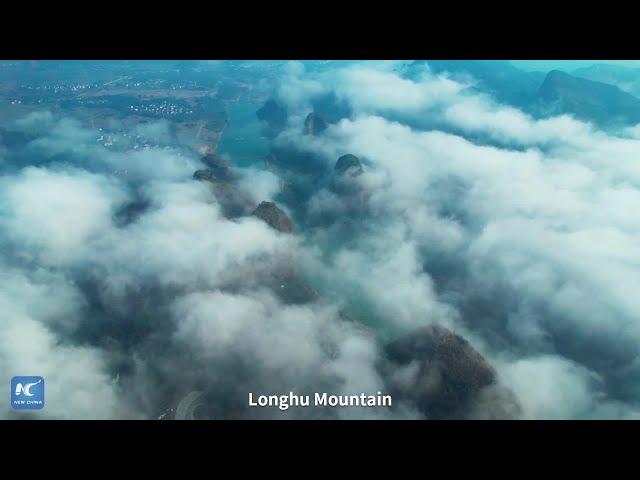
242, 142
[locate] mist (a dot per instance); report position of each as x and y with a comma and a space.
128, 284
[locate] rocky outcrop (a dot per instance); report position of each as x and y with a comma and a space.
204, 175
233, 201
348, 165
274, 115
315, 124
219, 167
287, 283
345, 183
218, 170
274, 217
597, 102
444, 377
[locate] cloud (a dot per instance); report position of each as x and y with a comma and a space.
374, 91
126, 282
552, 388
78, 384
294, 90
125, 314
50, 215
523, 240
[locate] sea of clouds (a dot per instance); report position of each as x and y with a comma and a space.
125, 287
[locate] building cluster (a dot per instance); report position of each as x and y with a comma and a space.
162, 109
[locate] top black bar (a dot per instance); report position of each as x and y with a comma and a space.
261, 32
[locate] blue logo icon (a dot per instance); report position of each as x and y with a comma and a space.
27, 393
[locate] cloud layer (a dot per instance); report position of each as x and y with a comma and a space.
519, 231
126, 287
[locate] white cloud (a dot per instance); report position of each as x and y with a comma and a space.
51, 215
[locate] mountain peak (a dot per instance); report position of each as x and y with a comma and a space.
274, 217
348, 163
589, 100
315, 124
452, 376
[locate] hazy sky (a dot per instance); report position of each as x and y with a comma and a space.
569, 65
